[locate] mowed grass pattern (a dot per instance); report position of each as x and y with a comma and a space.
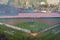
19, 35
33, 26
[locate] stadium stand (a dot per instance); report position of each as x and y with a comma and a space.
7, 10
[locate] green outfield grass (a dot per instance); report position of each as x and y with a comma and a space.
8, 19
16, 35
19, 35
33, 26
13, 34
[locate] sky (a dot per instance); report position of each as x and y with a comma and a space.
49, 1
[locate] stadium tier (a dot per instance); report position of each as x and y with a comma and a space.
7, 10
41, 11
12, 12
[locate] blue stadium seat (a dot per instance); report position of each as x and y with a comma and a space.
22, 10
8, 11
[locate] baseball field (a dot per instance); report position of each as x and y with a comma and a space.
40, 29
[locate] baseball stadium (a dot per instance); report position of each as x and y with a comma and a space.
30, 28
29, 20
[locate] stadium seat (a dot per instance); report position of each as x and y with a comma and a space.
8, 11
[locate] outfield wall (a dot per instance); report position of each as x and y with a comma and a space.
33, 15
